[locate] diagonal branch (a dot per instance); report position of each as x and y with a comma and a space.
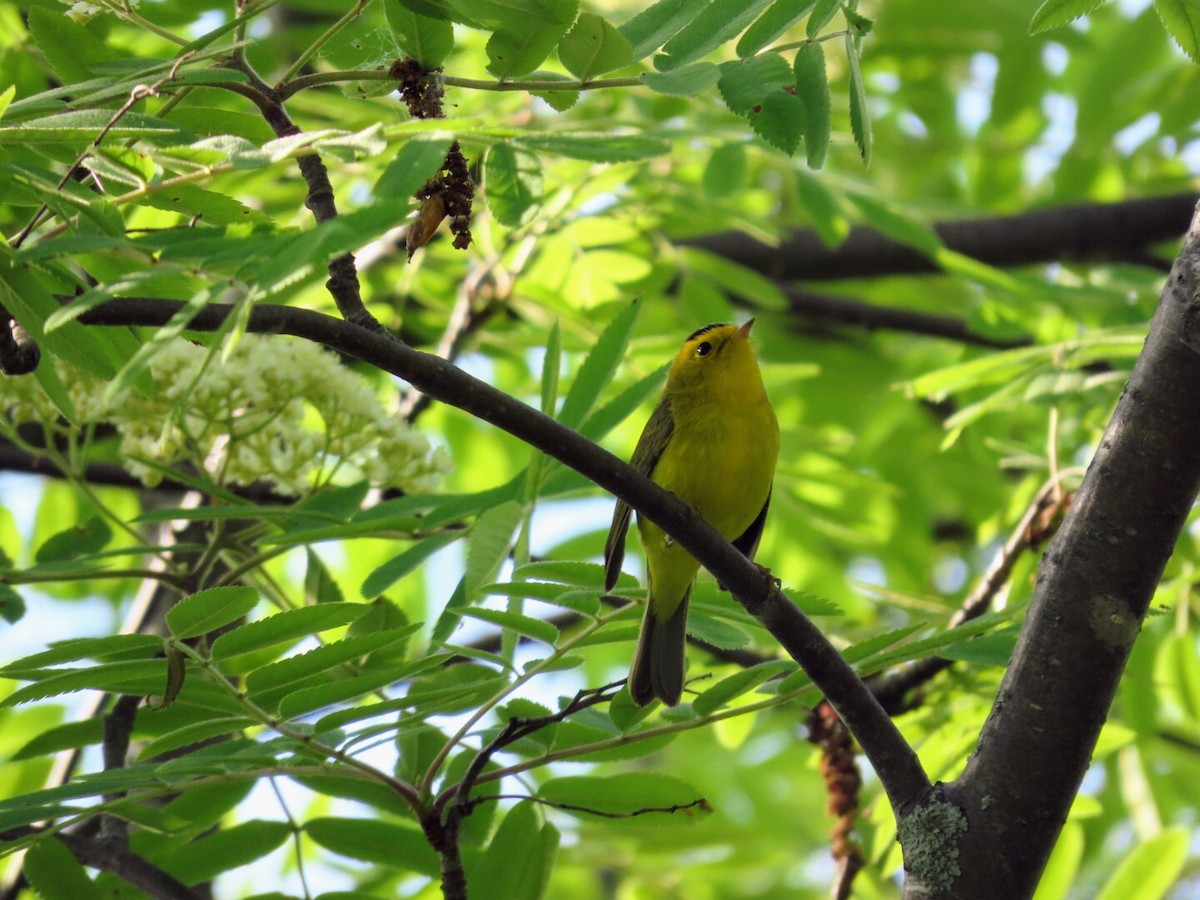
895, 762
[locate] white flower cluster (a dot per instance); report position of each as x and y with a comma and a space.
276, 409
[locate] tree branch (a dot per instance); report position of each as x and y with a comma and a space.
871, 316
1094, 586
1075, 233
894, 761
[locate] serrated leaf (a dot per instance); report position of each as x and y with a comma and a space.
717, 632
83, 126
780, 121
75, 649
712, 27
658, 23
512, 183
823, 12
860, 121
425, 39
685, 81
70, 48
143, 677
1055, 13
308, 699
526, 33
596, 146
70, 736
320, 660
739, 683
227, 848
592, 47
285, 627
388, 843
398, 566
772, 23
209, 610
746, 83
194, 733
597, 369
488, 545
81, 540
517, 862
812, 87
417, 162
538, 629
54, 872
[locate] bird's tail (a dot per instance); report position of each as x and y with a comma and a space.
658, 662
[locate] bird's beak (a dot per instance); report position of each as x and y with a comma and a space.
744, 331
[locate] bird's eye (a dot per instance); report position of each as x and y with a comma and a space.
704, 348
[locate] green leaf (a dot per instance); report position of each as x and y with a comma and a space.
746, 83
812, 87
385, 843
643, 798
1063, 865
519, 858
717, 632
1056, 13
592, 47
527, 34
95, 351
825, 209
70, 48
426, 39
417, 162
309, 699
598, 368
80, 127
537, 629
1150, 869
228, 848
860, 122
320, 660
513, 184
209, 610
658, 23
725, 171
85, 539
489, 543
740, 683
897, 223
319, 583
398, 566
597, 146
70, 736
194, 733
143, 677
551, 366
772, 23
6, 97
822, 14
284, 627
716, 24
780, 121
684, 81
53, 870
986, 650
12, 606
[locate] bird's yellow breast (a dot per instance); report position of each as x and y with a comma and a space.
720, 458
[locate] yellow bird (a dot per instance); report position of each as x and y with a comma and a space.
712, 441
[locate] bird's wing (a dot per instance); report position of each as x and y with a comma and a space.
655, 437
748, 541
